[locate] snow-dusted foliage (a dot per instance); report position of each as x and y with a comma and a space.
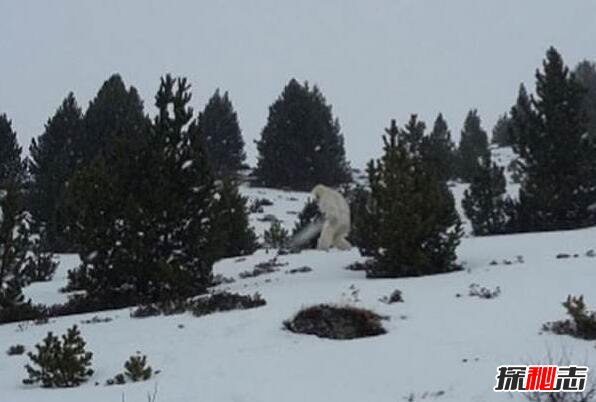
143, 215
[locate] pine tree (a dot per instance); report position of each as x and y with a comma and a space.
301, 144
14, 244
143, 213
220, 131
501, 131
412, 227
440, 149
473, 145
232, 233
484, 201
11, 165
413, 136
60, 363
585, 72
558, 157
276, 236
54, 158
115, 112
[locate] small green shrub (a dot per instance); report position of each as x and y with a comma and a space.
276, 236
137, 369
15, 350
225, 301
60, 363
582, 323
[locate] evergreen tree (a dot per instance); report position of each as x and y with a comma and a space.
115, 112
484, 202
440, 149
586, 75
11, 165
557, 157
54, 158
231, 231
143, 212
473, 145
501, 131
219, 129
301, 144
14, 244
413, 136
60, 363
410, 226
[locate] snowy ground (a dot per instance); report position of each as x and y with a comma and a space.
438, 347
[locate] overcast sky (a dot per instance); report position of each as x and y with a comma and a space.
373, 60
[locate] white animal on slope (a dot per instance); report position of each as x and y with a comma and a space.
336, 213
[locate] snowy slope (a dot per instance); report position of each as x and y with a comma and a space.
438, 347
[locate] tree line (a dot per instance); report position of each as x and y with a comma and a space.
149, 204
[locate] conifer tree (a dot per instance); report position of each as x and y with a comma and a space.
14, 244
410, 226
484, 201
143, 213
413, 135
220, 131
54, 158
60, 363
585, 72
11, 165
232, 233
301, 144
473, 145
115, 112
557, 156
440, 149
501, 131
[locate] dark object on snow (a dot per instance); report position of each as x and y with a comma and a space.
336, 322
299, 270
263, 268
395, 297
484, 293
225, 301
15, 350
97, 320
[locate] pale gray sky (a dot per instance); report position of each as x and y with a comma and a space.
374, 60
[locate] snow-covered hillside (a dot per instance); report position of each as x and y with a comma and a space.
438, 347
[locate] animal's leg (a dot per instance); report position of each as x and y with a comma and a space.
341, 243
326, 238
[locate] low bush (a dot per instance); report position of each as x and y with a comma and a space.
582, 323
484, 293
15, 350
276, 236
336, 322
135, 369
394, 297
263, 268
256, 206
212, 303
60, 363
225, 301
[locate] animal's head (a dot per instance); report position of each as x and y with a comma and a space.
318, 191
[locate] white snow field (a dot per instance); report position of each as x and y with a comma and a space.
439, 347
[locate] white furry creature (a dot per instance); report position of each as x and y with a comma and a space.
336, 213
